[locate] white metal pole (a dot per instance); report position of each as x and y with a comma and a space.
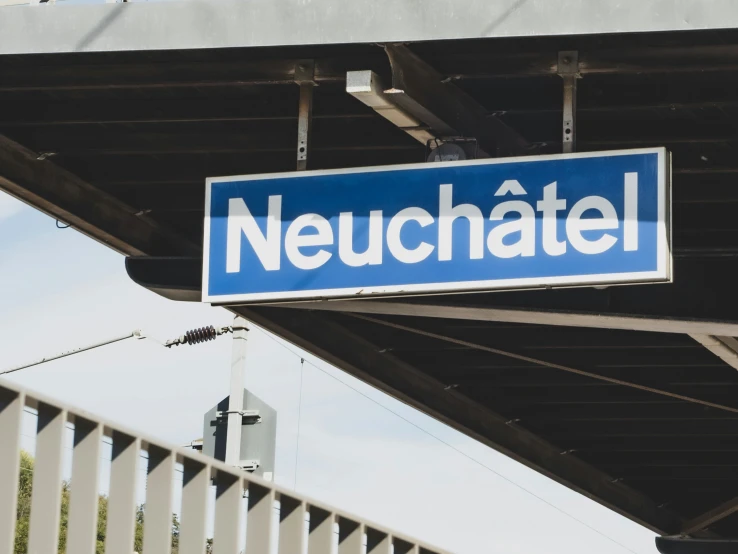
235, 403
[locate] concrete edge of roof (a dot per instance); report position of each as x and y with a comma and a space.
197, 24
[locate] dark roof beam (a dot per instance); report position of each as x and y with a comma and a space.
196, 110
618, 109
524, 315
268, 106
701, 300
367, 87
32, 178
187, 194
710, 517
687, 59
171, 75
240, 73
680, 545
426, 95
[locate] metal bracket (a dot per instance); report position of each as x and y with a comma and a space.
250, 417
305, 73
249, 465
305, 78
422, 92
568, 69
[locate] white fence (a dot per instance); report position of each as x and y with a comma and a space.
276, 520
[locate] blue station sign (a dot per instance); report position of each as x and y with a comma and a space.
545, 221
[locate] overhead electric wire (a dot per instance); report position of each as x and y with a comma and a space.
133, 334
452, 447
299, 418
194, 336
183, 340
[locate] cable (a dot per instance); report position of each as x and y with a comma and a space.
194, 336
452, 447
209, 333
135, 334
299, 419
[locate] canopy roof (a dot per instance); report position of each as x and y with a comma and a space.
628, 395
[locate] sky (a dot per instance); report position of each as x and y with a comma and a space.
358, 449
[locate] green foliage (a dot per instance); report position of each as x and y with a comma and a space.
64, 519
102, 521
23, 510
25, 486
175, 534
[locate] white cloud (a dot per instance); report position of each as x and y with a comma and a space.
9, 206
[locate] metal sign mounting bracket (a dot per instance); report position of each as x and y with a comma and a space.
568, 69
250, 417
305, 78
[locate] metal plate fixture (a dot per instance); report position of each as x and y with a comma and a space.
569, 70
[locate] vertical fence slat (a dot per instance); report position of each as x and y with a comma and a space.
157, 537
228, 496
122, 497
11, 418
83, 494
320, 532
378, 542
293, 537
43, 535
404, 547
259, 520
350, 537
291, 526
193, 521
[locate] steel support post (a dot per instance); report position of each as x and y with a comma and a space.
305, 78
235, 402
568, 69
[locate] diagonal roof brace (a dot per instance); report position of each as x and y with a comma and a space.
725, 348
423, 92
710, 517
368, 88
427, 107
681, 545
36, 180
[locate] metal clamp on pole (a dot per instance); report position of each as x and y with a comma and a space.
249, 465
305, 78
568, 69
250, 417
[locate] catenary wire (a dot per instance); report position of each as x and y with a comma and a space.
299, 418
451, 446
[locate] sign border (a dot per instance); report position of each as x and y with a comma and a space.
662, 274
